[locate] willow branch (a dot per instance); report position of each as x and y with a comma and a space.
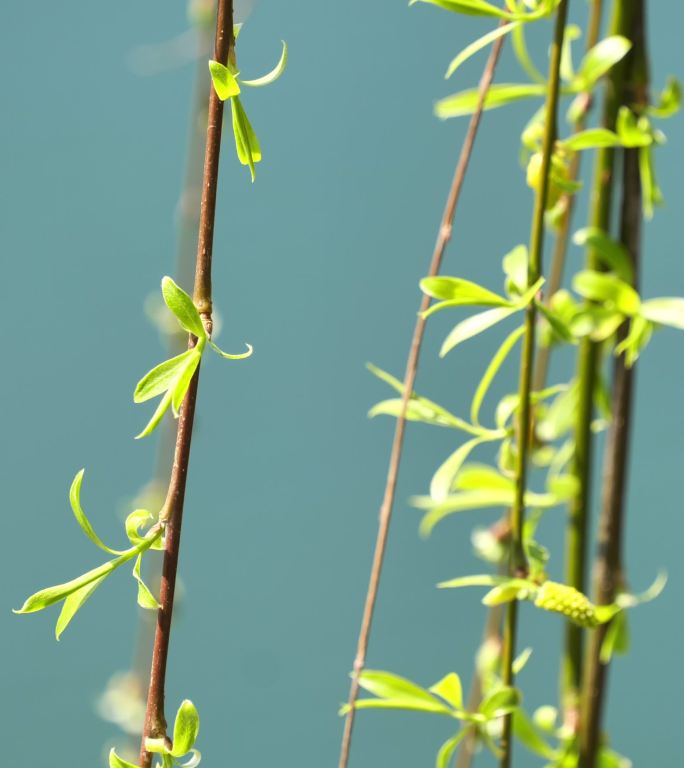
155, 722
587, 374
609, 567
518, 565
443, 238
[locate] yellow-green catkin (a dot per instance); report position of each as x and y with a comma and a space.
561, 598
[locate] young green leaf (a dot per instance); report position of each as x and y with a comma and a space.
459, 292
492, 369
182, 381
616, 639
669, 101
145, 597
185, 729
474, 325
448, 749
396, 692
478, 45
651, 193
450, 689
482, 8
73, 603
601, 58
161, 378
515, 268
116, 762
246, 142
80, 515
239, 356
442, 480
528, 735
225, 82
609, 289
633, 131
665, 311
273, 75
500, 703
591, 138
182, 306
465, 102
611, 253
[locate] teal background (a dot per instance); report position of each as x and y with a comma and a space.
317, 265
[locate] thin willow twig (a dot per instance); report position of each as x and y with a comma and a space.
587, 374
443, 238
155, 721
609, 566
518, 565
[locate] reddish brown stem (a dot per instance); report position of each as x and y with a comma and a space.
443, 238
155, 721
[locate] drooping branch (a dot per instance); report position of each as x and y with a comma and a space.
155, 722
518, 566
443, 238
608, 575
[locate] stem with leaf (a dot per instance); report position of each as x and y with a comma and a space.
608, 575
518, 566
155, 722
443, 238
587, 374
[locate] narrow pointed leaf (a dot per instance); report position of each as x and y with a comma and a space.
183, 379
465, 102
145, 597
225, 83
273, 75
157, 416
443, 479
185, 729
182, 306
246, 142
600, 59
73, 604
450, 689
478, 45
664, 311
116, 762
473, 326
80, 515
448, 749
455, 289
239, 356
386, 685
160, 378
492, 369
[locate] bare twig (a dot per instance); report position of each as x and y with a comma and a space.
155, 722
443, 238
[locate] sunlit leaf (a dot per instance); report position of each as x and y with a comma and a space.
225, 82
474, 325
116, 762
246, 142
607, 288
185, 729
182, 306
145, 597
448, 749
227, 356
478, 45
665, 311
73, 603
500, 703
492, 369
600, 59
273, 75
460, 292
80, 515
442, 480
465, 102
450, 689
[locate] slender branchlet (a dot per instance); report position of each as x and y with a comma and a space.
443, 238
155, 722
562, 238
518, 565
608, 575
587, 374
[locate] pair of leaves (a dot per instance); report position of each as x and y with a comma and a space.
172, 378
76, 592
482, 8
456, 292
227, 86
185, 732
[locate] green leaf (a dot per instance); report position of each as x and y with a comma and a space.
448, 749
239, 356
633, 131
504, 593
443, 479
474, 325
610, 252
492, 369
609, 289
616, 638
483, 580
465, 102
185, 729
450, 689
145, 597
528, 735
182, 306
398, 693
592, 138
601, 58
51, 595
520, 661
225, 82
116, 762
246, 142
460, 292
273, 75
134, 522
80, 515
481, 477
515, 268
161, 378
182, 381
651, 193
482, 8
669, 101
478, 45
665, 311
73, 604
500, 703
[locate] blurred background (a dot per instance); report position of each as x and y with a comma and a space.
317, 265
